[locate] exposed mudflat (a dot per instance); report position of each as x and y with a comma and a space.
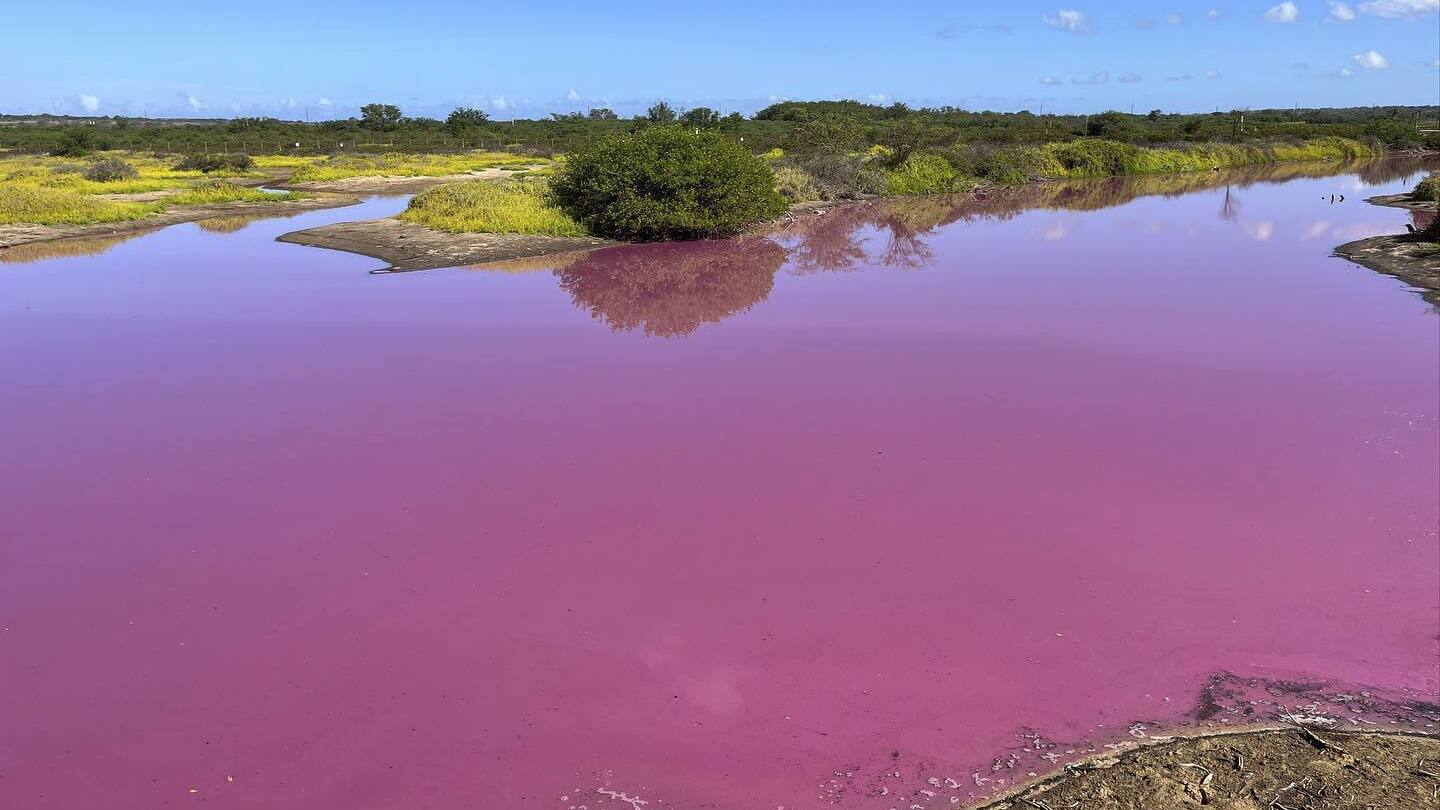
1264, 769
406, 246
11, 235
1404, 201
1414, 261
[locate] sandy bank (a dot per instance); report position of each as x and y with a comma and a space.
1256, 769
20, 234
406, 246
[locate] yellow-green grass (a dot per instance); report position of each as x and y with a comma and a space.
33, 192
340, 167
52, 206
217, 192
482, 206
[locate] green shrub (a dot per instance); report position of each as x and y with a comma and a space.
1018, 164
111, 169
842, 176
76, 142
666, 182
1094, 157
1428, 189
238, 162
927, 174
796, 185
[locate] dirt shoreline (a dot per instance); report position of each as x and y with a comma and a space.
406, 246
1259, 768
1414, 262
13, 235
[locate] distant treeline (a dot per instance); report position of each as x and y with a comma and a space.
790, 125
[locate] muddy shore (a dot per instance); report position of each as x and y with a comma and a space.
12, 235
1413, 261
406, 246
1290, 767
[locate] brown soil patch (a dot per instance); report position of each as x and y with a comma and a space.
11, 235
1293, 768
406, 246
1404, 257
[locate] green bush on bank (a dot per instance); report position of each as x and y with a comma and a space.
666, 182
1428, 189
927, 174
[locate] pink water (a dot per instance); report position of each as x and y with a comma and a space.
739, 525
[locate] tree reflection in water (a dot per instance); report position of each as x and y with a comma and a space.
672, 289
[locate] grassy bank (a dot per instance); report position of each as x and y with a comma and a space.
56, 191
340, 167
515, 206
946, 169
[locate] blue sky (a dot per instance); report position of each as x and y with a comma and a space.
264, 57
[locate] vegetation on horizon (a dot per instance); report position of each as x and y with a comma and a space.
385, 128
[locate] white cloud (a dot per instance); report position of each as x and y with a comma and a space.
1174, 19
1067, 19
1212, 74
1095, 78
1400, 9
1371, 60
325, 102
89, 103
1341, 12
1214, 14
572, 95
193, 102
1286, 12
1259, 231
1144, 24
877, 98
1051, 81
1128, 78
499, 103
1056, 229
1184, 77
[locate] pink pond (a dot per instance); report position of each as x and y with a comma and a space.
895, 508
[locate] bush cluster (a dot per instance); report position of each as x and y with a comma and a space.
1428, 189
235, 162
111, 169
666, 182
